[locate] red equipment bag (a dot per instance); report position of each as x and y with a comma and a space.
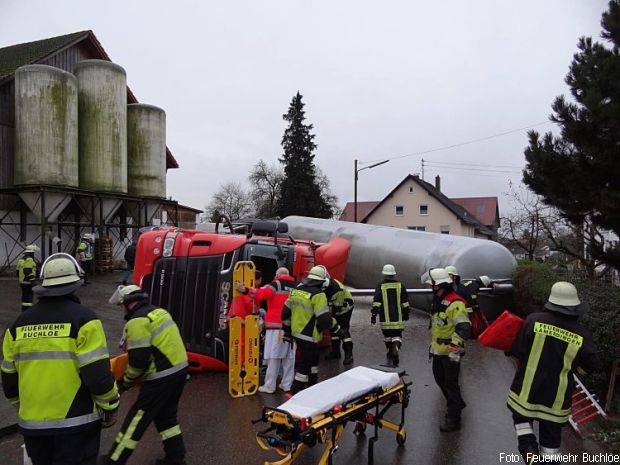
501, 334
478, 322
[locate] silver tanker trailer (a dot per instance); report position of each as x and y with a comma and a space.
413, 253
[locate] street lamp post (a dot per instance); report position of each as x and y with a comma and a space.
355, 177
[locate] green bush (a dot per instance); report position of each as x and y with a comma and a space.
532, 283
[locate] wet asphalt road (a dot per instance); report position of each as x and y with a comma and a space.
218, 429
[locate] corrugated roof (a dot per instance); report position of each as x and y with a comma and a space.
484, 209
14, 56
363, 208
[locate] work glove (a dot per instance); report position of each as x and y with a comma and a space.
240, 287
456, 352
108, 418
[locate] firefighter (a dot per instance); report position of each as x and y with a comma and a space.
85, 255
157, 358
477, 317
391, 304
26, 271
459, 287
276, 352
305, 316
340, 303
450, 327
130, 260
56, 371
550, 346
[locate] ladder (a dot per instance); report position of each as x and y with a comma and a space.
585, 407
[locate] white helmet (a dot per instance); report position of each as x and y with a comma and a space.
438, 276
122, 292
59, 269
485, 280
388, 270
318, 272
564, 299
31, 249
451, 269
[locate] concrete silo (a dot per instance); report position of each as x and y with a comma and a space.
102, 99
146, 150
46, 127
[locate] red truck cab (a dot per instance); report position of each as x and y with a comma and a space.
189, 272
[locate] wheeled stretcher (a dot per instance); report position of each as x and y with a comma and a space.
320, 413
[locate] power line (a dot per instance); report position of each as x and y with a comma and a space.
459, 168
460, 144
485, 165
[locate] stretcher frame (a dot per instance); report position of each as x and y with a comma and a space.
289, 435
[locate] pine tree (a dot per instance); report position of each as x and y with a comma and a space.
300, 192
579, 171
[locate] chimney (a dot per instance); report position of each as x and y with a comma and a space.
438, 183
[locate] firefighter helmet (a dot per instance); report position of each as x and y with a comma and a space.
318, 272
451, 269
59, 269
437, 276
31, 248
388, 270
564, 299
127, 294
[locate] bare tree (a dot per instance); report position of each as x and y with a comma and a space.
231, 200
266, 181
326, 192
524, 228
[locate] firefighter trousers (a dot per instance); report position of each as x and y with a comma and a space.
344, 321
446, 374
307, 366
79, 448
158, 402
550, 436
27, 295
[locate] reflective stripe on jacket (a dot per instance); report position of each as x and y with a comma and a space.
549, 347
392, 302
56, 367
154, 345
446, 314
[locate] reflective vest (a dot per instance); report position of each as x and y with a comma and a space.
275, 293
392, 301
56, 367
154, 345
26, 270
85, 251
339, 297
445, 315
549, 347
307, 314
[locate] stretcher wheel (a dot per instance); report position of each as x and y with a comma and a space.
360, 427
401, 437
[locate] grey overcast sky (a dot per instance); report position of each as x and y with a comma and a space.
380, 79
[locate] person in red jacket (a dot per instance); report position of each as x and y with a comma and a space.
276, 353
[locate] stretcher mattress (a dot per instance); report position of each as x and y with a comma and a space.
338, 390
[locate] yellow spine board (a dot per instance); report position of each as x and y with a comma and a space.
237, 375
252, 349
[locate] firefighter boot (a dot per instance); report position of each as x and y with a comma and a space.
388, 355
394, 350
348, 353
335, 353
450, 424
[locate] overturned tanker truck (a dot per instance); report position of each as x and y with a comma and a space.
413, 253
190, 273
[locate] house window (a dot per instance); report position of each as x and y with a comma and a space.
411, 189
423, 209
444, 229
399, 210
417, 228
